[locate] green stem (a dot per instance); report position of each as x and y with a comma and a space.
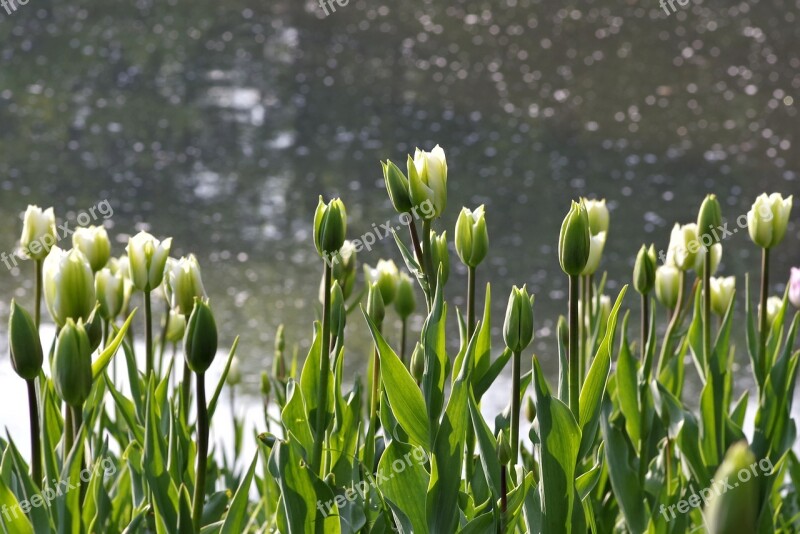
584, 326
36, 447
69, 432
573, 354
202, 452
37, 308
763, 327
148, 333
666, 347
163, 341
470, 302
324, 371
707, 309
186, 386
503, 497
428, 258
645, 326
412, 229
515, 402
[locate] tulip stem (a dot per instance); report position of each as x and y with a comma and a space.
763, 328
470, 302
428, 257
68, 431
412, 229
37, 308
163, 342
202, 452
324, 371
666, 347
645, 326
148, 333
515, 402
503, 497
186, 386
572, 352
584, 326
36, 448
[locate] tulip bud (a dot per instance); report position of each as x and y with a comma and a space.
147, 257
385, 275
518, 326
794, 287
530, 410
176, 327
110, 291
330, 227
503, 448
397, 187
375, 307
668, 283
683, 246
768, 218
183, 284
234, 373
338, 309
38, 232
405, 302
736, 508
574, 241
598, 215
440, 255
774, 305
716, 256
266, 385
709, 219
200, 340
344, 268
722, 291
24, 343
93, 242
72, 364
596, 245
94, 330
472, 238
644, 271
280, 339
417, 363
68, 285
427, 177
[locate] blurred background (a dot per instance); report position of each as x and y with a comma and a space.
220, 122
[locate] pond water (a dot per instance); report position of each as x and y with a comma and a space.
219, 124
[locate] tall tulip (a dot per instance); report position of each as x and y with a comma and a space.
472, 244
68, 286
93, 242
517, 334
39, 236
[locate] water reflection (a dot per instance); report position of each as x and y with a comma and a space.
220, 123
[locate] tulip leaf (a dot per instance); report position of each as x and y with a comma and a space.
405, 487
234, 521
102, 360
627, 386
488, 450
434, 345
14, 522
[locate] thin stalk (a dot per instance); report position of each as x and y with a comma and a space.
186, 386
77, 414
37, 308
428, 258
412, 229
202, 452
324, 370
163, 341
515, 402
707, 345
470, 302
69, 432
148, 333
763, 327
572, 353
666, 347
590, 312
584, 327
503, 497
36, 447
403, 333
645, 326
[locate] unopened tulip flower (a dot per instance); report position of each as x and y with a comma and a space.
773, 307
427, 177
93, 242
234, 373
110, 291
72, 364
330, 227
504, 454
472, 238
24, 343
183, 284
385, 275
716, 256
375, 304
768, 218
709, 220
68, 285
735, 509
574, 242
397, 186
597, 244
722, 291
200, 339
668, 282
147, 257
683, 246
440, 254
338, 309
598, 215
417, 363
344, 268
794, 287
38, 232
644, 271
405, 301
176, 327
518, 325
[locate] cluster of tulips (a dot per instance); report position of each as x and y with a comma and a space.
613, 446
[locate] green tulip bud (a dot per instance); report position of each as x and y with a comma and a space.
598, 215
338, 309
700, 259
38, 232
405, 302
24, 343
427, 177
417, 363
72, 364
183, 284
530, 410
266, 385
330, 227
386, 276
110, 291
668, 282
518, 326
176, 327
280, 339
234, 377
735, 509
709, 219
375, 305
93, 242
440, 254
503, 448
68, 285
644, 271
397, 187
472, 238
722, 291
94, 330
147, 258
344, 268
596, 246
200, 340
574, 241
768, 218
